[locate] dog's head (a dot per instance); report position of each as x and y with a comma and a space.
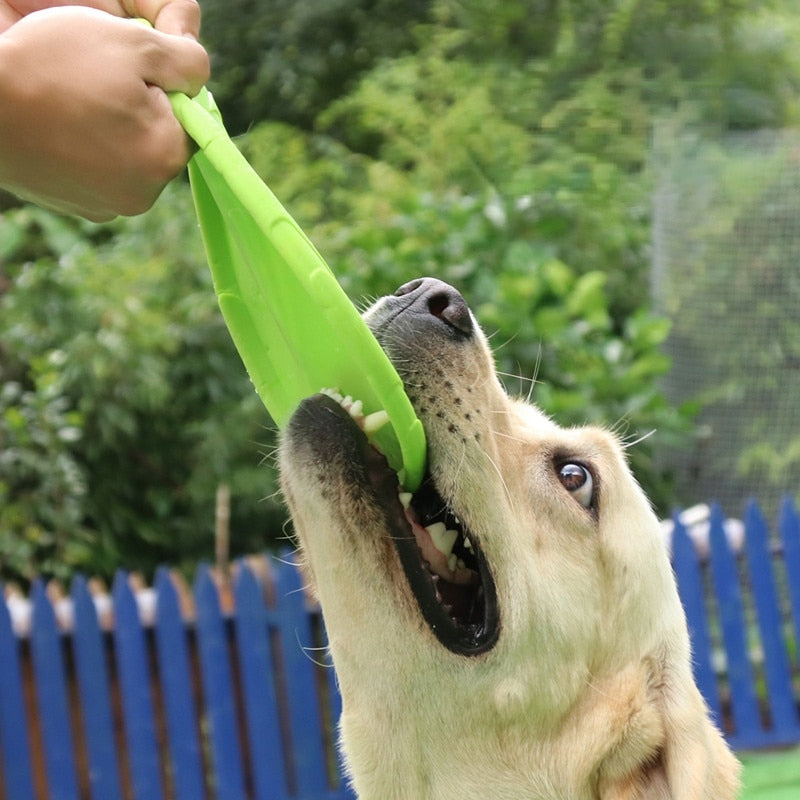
518, 584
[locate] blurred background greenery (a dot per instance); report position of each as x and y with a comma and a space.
502, 145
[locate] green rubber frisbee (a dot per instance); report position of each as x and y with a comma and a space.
294, 327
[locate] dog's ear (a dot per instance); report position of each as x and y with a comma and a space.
697, 762
692, 763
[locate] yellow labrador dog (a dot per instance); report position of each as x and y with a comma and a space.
513, 630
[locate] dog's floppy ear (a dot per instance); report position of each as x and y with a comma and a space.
697, 762
692, 763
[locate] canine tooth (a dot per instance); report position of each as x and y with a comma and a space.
405, 499
437, 531
375, 421
468, 543
443, 539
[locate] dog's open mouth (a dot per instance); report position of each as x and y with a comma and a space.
448, 573
443, 562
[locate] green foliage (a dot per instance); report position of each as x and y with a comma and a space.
123, 405
501, 146
284, 60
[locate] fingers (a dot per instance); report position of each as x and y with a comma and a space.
175, 17
175, 64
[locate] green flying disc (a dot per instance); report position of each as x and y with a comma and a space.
294, 327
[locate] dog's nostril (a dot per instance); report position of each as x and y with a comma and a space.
430, 296
451, 308
409, 287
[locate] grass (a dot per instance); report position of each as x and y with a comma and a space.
771, 776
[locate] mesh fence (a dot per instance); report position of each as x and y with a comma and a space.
726, 271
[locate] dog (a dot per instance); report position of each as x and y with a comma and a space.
512, 631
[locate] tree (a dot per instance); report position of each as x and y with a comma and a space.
124, 403
502, 146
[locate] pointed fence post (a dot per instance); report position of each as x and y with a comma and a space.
744, 703
220, 701
95, 699
16, 760
257, 666
790, 538
137, 699
175, 674
305, 723
689, 577
785, 727
49, 670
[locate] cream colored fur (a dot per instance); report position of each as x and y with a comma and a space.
588, 693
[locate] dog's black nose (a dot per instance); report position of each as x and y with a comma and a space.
439, 299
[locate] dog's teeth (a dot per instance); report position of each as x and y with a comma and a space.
375, 421
442, 538
451, 562
356, 409
437, 531
405, 499
468, 543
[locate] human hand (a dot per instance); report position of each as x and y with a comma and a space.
85, 125
176, 17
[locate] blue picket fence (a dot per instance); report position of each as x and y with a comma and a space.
743, 610
234, 703
229, 706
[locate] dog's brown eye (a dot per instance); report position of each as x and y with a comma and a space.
578, 481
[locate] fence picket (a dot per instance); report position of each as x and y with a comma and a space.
789, 527
93, 684
175, 671
137, 700
686, 564
14, 754
258, 685
295, 637
217, 681
49, 671
785, 727
725, 576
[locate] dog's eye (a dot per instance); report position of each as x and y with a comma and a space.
578, 481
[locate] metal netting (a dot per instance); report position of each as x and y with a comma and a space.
726, 271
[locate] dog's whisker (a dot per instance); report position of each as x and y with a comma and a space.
508, 436
503, 344
638, 440
288, 562
308, 649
